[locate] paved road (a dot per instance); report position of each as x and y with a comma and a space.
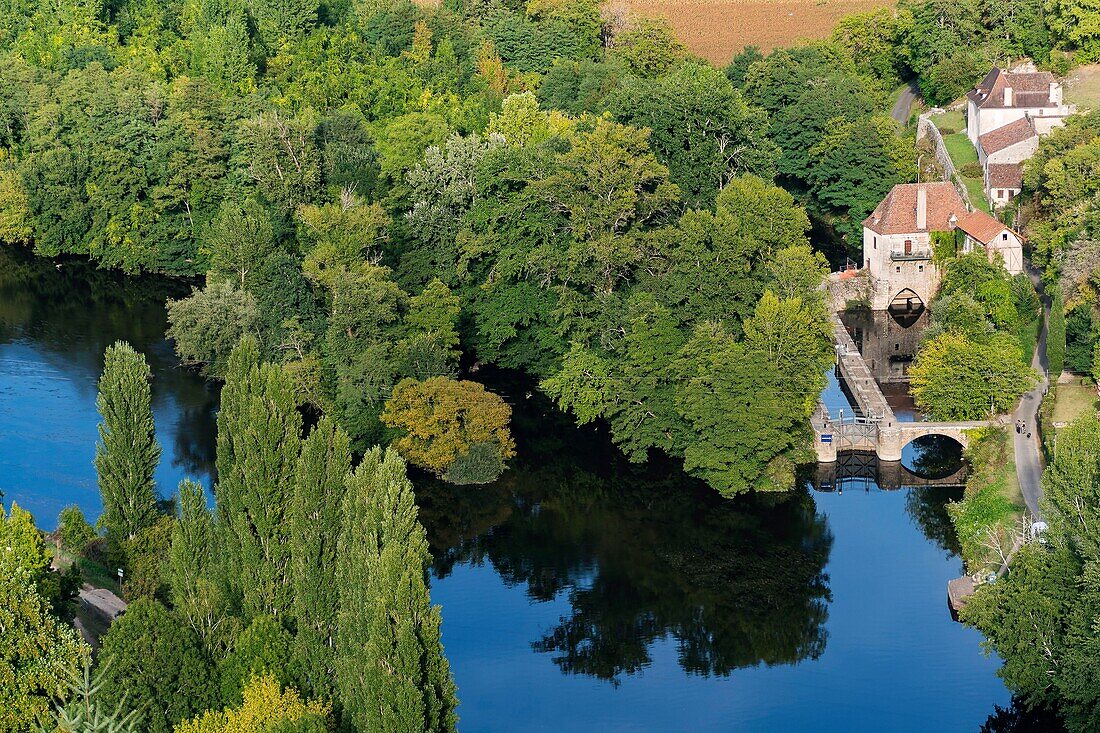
900, 112
1029, 462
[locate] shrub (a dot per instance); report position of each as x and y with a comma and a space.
973, 169
75, 532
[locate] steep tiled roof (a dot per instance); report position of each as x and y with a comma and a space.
1006, 175
1003, 137
981, 226
1029, 89
897, 213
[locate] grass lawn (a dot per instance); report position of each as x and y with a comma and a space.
959, 148
962, 152
950, 123
1083, 87
1074, 399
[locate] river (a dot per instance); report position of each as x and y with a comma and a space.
579, 592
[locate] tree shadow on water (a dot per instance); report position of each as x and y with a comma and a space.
644, 554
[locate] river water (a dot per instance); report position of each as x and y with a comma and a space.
579, 592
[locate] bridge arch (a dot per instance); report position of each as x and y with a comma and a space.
955, 433
906, 300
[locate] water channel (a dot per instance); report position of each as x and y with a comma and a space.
579, 592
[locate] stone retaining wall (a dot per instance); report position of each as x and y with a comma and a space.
925, 127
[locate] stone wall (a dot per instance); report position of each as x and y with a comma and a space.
849, 287
925, 127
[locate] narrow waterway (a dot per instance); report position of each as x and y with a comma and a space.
579, 592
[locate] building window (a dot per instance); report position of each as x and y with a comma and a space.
1004, 236
897, 347
920, 268
1000, 193
897, 269
875, 242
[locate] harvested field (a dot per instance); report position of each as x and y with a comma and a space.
718, 29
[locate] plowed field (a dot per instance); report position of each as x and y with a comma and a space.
718, 29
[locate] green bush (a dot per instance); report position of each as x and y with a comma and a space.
74, 530
985, 506
973, 169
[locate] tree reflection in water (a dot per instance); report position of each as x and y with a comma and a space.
642, 554
1016, 718
71, 311
927, 507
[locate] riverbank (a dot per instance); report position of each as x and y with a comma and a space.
989, 513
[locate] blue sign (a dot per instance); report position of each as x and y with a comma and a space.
827, 438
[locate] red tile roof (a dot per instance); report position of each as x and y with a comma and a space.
1010, 134
1029, 89
897, 213
981, 226
1006, 175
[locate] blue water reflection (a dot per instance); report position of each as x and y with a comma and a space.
54, 325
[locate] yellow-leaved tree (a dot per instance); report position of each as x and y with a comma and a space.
266, 706
457, 429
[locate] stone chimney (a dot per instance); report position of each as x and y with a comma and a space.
922, 208
1055, 94
1008, 96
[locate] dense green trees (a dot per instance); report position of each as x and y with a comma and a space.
391, 672
156, 665
702, 128
37, 650
371, 188
957, 378
258, 445
1041, 619
315, 510
825, 100
975, 358
299, 557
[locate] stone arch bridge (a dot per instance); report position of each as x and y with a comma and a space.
883, 435
876, 430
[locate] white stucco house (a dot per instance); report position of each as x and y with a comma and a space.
1014, 143
1003, 97
1003, 182
982, 231
1006, 114
897, 242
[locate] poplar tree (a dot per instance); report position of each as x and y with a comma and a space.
392, 674
191, 570
258, 440
315, 509
127, 453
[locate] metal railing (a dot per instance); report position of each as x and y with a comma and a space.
922, 253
